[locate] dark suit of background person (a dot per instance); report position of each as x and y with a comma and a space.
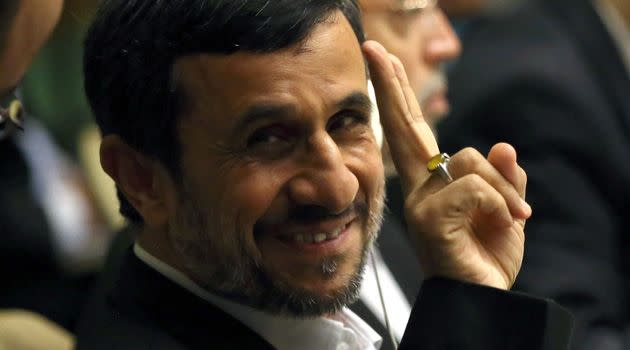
550, 81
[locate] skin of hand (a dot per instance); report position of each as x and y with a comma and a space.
472, 229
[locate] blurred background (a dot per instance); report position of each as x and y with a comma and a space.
53, 92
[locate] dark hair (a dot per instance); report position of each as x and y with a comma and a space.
131, 48
8, 10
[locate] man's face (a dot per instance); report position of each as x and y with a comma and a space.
423, 39
31, 26
282, 185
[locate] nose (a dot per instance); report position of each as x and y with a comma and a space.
442, 43
325, 180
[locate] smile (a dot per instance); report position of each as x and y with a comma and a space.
318, 237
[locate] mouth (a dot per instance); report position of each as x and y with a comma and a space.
437, 103
314, 237
319, 240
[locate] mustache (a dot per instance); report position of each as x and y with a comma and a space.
309, 214
306, 214
435, 82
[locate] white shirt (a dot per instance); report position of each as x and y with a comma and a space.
345, 331
398, 308
619, 30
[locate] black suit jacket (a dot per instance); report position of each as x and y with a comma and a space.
138, 308
549, 80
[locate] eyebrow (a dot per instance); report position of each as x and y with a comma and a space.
261, 113
268, 112
356, 100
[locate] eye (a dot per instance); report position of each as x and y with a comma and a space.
347, 120
269, 137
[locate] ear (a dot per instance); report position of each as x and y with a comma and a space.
142, 180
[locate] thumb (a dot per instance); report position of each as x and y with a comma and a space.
503, 157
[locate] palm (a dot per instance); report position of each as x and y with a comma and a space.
479, 251
494, 252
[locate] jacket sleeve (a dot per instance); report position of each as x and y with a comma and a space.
450, 314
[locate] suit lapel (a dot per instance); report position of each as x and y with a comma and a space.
395, 246
189, 320
399, 257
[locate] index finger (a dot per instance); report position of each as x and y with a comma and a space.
410, 139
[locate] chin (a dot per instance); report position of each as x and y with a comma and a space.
312, 293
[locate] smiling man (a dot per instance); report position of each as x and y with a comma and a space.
238, 134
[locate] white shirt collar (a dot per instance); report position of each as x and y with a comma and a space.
398, 307
617, 27
345, 331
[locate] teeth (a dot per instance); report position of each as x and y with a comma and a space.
320, 237
335, 233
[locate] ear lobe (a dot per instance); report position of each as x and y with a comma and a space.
136, 175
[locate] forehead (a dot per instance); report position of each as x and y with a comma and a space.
313, 74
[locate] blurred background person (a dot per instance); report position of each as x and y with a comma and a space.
552, 78
420, 35
51, 237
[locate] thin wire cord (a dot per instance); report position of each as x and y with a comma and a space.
392, 338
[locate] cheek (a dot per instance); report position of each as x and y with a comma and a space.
250, 191
367, 165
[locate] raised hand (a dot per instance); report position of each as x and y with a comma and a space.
471, 229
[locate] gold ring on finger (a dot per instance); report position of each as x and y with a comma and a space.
439, 164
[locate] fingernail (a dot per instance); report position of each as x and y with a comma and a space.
526, 207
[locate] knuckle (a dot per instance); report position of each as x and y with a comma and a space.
477, 187
468, 159
471, 154
474, 182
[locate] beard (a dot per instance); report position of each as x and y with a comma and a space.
220, 259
